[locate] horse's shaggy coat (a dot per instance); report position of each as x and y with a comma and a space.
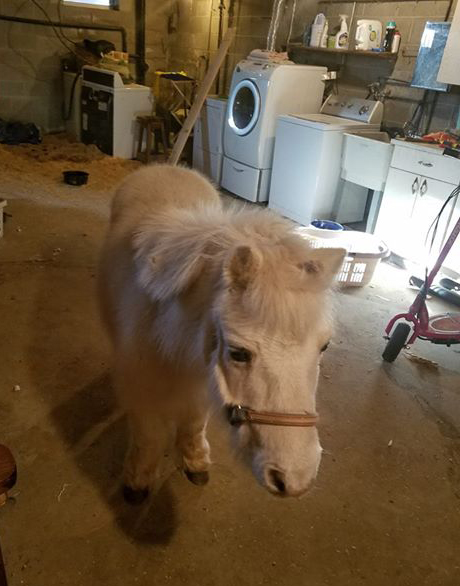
185, 286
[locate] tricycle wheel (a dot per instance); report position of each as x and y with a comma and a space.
396, 342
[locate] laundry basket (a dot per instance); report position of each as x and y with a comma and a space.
364, 252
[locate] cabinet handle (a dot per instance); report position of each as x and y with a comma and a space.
425, 164
423, 188
237, 170
415, 186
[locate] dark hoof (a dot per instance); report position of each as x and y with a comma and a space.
198, 478
133, 496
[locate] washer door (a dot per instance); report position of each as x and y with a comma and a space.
244, 107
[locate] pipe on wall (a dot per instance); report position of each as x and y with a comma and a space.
221, 9
230, 24
278, 6
55, 24
141, 66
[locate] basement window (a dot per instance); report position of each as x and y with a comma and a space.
114, 4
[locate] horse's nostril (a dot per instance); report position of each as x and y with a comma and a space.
277, 478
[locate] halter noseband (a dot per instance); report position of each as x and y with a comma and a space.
237, 415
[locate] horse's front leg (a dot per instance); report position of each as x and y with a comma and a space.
193, 445
149, 441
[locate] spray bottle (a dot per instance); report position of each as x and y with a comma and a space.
341, 39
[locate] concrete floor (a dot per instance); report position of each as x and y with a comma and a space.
385, 509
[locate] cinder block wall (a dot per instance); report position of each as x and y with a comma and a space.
182, 34
358, 72
30, 55
196, 38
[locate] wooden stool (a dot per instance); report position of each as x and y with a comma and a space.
151, 125
2, 205
7, 473
7, 481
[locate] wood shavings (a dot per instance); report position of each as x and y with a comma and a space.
43, 164
63, 489
420, 360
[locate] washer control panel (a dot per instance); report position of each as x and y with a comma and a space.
353, 108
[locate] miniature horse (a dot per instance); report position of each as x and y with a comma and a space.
200, 302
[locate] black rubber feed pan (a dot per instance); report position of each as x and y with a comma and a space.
75, 177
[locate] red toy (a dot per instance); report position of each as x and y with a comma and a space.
438, 329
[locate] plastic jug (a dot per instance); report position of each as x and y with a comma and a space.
368, 35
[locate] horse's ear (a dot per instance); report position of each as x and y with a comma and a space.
322, 266
241, 266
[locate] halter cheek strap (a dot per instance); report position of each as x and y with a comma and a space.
238, 415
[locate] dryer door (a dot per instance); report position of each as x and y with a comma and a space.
243, 107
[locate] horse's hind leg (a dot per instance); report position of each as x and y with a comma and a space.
149, 441
193, 445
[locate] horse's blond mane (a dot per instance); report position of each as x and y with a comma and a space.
179, 244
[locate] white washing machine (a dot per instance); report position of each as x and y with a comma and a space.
308, 151
207, 138
259, 92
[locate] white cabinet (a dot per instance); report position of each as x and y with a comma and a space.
409, 206
452, 261
412, 201
207, 139
449, 71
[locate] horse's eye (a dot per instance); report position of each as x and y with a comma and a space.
240, 354
324, 348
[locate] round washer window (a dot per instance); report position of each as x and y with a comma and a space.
244, 107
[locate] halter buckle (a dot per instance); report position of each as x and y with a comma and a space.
237, 415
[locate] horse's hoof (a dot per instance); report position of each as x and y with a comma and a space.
133, 496
198, 478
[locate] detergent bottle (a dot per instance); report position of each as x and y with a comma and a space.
341, 39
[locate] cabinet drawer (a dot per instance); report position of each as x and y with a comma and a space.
241, 179
433, 165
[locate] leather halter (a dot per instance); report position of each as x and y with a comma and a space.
238, 415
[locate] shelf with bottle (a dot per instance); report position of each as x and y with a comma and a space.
375, 54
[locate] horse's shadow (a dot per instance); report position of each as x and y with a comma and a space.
73, 350
96, 433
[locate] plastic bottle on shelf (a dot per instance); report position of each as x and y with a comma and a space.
324, 35
396, 42
341, 39
317, 30
389, 34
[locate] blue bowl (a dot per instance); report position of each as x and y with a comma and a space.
326, 225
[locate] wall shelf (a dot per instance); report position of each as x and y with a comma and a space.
322, 50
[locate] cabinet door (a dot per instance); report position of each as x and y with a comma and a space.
452, 261
430, 198
396, 210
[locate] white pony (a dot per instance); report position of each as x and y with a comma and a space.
201, 301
